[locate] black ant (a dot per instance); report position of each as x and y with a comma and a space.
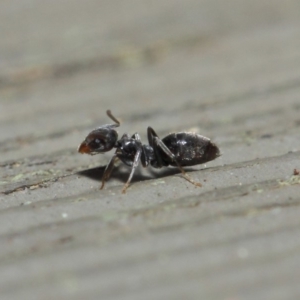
179, 149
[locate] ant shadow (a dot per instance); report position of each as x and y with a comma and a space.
121, 173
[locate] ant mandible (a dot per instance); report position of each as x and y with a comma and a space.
179, 149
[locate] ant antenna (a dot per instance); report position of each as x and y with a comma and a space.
108, 112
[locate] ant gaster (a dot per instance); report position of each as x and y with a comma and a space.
176, 149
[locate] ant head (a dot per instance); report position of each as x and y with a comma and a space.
102, 139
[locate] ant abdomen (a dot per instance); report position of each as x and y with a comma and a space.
189, 149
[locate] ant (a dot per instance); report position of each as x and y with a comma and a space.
179, 149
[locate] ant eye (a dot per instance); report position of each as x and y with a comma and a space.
95, 144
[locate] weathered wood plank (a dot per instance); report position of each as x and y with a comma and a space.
230, 71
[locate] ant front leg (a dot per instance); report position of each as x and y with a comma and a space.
108, 170
110, 166
155, 142
134, 165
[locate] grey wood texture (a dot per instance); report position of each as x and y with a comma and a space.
229, 70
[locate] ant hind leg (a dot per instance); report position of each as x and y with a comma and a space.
155, 142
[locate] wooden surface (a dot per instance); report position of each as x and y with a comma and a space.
229, 70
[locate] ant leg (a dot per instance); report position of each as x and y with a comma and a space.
144, 157
151, 139
108, 170
156, 142
134, 165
